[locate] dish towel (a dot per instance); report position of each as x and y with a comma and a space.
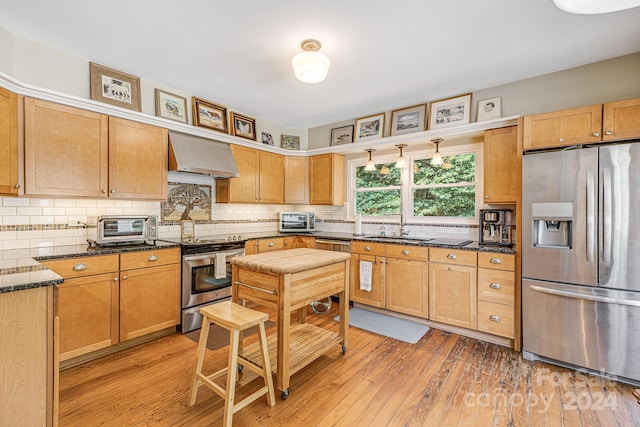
365, 275
221, 266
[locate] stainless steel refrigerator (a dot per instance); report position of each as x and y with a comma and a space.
581, 258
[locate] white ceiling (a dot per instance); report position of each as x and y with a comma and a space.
384, 54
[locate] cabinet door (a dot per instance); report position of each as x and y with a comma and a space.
374, 297
562, 128
452, 295
271, 183
326, 179
305, 242
149, 300
66, 150
296, 180
251, 247
266, 245
621, 120
407, 286
8, 143
138, 160
244, 188
501, 171
88, 312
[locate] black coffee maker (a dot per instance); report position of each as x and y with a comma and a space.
496, 227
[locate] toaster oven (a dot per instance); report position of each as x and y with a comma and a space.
114, 229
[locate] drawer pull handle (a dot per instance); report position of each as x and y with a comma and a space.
596, 134
125, 277
608, 132
115, 279
405, 252
451, 256
495, 286
153, 257
494, 318
271, 244
367, 248
495, 261
450, 268
79, 267
561, 140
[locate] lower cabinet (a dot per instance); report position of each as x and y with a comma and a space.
106, 299
256, 246
406, 280
496, 294
367, 256
452, 287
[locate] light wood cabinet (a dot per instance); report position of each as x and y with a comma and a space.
29, 370
406, 286
79, 153
66, 150
613, 121
326, 179
496, 294
621, 120
305, 242
9, 163
87, 303
138, 159
149, 292
260, 180
251, 247
296, 180
274, 244
501, 172
255, 246
452, 287
368, 254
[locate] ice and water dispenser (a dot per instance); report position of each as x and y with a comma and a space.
552, 224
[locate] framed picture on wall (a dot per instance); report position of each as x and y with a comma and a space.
170, 106
371, 127
342, 135
243, 126
489, 109
209, 115
290, 142
450, 112
409, 120
114, 87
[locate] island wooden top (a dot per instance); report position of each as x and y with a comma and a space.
290, 260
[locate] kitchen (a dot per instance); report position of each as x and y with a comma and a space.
57, 220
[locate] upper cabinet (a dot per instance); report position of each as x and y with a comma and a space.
326, 179
261, 178
501, 170
613, 121
296, 180
74, 152
9, 184
621, 120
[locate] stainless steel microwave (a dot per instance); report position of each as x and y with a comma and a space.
297, 222
106, 229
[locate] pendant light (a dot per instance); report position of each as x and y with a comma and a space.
401, 163
371, 166
310, 66
592, 7
436, 160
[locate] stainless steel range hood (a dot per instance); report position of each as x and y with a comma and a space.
189, 153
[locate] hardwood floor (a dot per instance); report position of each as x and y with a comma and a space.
443, 380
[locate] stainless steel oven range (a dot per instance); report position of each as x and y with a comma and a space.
206, 276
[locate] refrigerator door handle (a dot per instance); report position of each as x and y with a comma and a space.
634, 303
591, 215
607, 204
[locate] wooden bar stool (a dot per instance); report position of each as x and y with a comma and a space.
235, 318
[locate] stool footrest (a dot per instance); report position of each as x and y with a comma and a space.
247, 400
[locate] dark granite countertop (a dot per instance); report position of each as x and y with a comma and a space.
28, 273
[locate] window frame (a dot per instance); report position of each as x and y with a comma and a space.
407, 187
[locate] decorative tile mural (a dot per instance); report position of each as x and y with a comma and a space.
187, 201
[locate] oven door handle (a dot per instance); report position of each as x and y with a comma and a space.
210, 255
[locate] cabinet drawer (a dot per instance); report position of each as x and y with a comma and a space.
266, 245
496, 286
83, 266
496, 261
453, 256
142, 259
407, 252
495, 318
367, 248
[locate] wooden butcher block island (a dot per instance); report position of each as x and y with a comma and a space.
290, 280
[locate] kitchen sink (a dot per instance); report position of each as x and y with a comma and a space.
396, 239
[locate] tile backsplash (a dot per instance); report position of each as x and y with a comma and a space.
27, 223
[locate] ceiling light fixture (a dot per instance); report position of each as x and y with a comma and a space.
310, 66
437, 157
371, 166
592, 7
401, 163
